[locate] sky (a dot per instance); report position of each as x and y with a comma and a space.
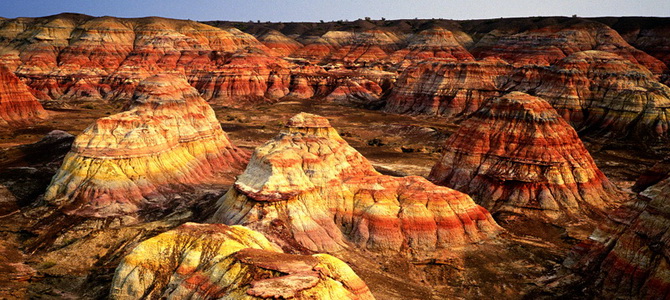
315, 10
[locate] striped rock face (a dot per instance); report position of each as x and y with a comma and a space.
547, 45
18, 107
211, 261
604, 93
447, 88
71, 56
432, 44
309, 185
518, 156
628, 257
169, 141
279, 43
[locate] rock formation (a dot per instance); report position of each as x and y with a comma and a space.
628, 257
279, 43
602, 93
435, 43
18, 107
447, 88
548, 44
169, 141
71, 56
517, 157
212, 261
308, 185
660, 171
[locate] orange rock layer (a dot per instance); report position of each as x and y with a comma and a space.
516, 156
603, 93
447, 88
547, 45
169, 141
75, 56
628, 257
213, 261
309, 184
18, 107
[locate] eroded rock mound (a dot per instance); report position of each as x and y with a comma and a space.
212, 261
169, 141
516, 156
603, 93
548, 44
308, 185
18, 107
447, 88
436, 43
628, 257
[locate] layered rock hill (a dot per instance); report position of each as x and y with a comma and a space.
18, 107
602, 93
660, 171
548, 44
447, 88
308, 185
169, 141
434, 43
70, 56
519, 159
279, 43
628, 257
208, 261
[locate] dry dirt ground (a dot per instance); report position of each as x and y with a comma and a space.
396, 145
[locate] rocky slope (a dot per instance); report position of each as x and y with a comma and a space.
447, 89
308, 185
432, 44
518, 158
70, 56
602, 93
628, 256
168, 141
18, 107
213, 261
546, 45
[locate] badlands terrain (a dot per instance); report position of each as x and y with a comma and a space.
392, 159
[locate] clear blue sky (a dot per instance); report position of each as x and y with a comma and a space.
314, 10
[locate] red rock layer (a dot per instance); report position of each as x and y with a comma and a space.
350, 48
309, 184
517, 156
660, 171
546, 45
242, 78
75, 56
435, 44
169, 141
628, 258
603, 93
279, 43
447, 88
18, 107
214, 261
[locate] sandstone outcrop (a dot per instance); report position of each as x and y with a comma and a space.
279, 43
213, 261
548, 44
18, 107
447, 88
602, 93
169, 141
308, 185
436, 44
517, 157
70, 56
628, 257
